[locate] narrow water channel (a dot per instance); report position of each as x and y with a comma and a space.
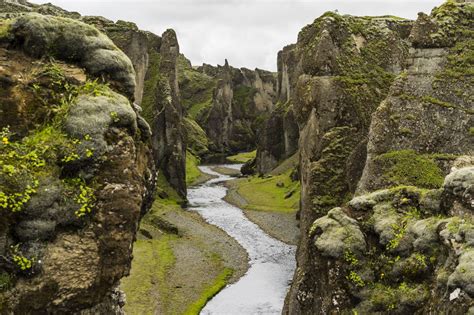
263, 288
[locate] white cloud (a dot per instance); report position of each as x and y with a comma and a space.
249, 33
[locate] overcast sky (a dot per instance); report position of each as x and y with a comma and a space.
249, 33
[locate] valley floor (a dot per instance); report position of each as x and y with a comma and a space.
179, 263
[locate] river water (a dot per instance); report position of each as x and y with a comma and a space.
263, 288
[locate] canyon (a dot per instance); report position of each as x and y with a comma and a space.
361, 154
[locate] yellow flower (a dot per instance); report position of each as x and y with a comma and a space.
5, 140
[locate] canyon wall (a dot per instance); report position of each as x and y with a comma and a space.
90, 119
383, 108
77, 167
229, 104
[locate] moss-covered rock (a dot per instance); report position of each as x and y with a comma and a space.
76, 175
74, 41
459, 186
427, 115
336, 234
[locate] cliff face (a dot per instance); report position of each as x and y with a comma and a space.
155, 60
77, 167
379, 103
228, 103
154, 76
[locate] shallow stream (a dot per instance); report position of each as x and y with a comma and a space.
263, 288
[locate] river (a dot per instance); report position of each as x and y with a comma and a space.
263, 288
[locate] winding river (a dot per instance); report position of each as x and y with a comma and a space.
263, 288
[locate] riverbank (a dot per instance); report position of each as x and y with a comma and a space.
271, 201
281, 225
180, 262
263, 288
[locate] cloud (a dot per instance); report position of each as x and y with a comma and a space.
249, 33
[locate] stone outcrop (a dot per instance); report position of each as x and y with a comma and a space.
383, 107
77, 168
156, 62
333, 79
148, 80
228, 103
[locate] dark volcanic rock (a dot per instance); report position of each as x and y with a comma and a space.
78, 170
397, 250
228, 103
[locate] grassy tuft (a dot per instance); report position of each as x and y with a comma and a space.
406, 167
242, 157
219, 283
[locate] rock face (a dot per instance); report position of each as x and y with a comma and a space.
156, 62
77, 168
149, 79
384, 108
228, 103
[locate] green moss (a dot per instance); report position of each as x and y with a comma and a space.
328, 173
5, 281
388, 298
243, 157
5, 26
471, 131
406, 167
165, 192
435, 101
196, 137
192, 170
196, 90
219, 283
152, 80
355, 279
196, 110
243, 97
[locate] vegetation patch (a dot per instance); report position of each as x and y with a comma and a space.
275, 193
406, 167
243, 157
243, 97
219, 283
5, 26
192, 171
152, 258
152, 80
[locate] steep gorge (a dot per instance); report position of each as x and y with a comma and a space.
376, 112
381, 104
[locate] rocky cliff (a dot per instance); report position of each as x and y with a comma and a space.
383, 106
77, 166
155, 60
79, 161
229, 104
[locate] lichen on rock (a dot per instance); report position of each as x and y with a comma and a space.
74, 41
77, 171
336, 234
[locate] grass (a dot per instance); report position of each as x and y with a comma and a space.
263, 194
242, 157
4, 28
151, 260
192, 170
151, 286
219, 283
